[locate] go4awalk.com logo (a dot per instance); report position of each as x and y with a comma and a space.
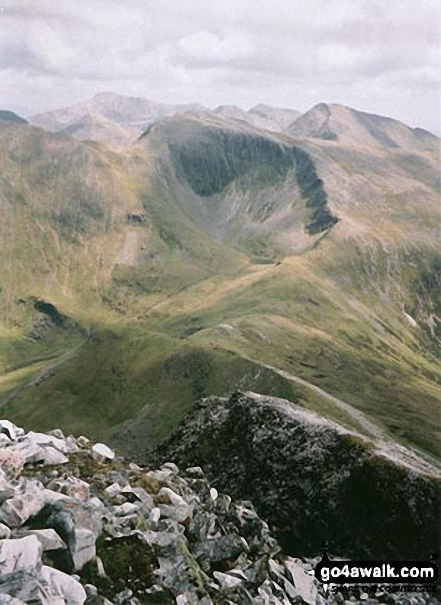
328, 571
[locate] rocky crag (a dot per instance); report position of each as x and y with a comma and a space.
82, 526
313, 479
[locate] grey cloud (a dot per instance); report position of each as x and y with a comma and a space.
375, 55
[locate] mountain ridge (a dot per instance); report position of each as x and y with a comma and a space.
188, 262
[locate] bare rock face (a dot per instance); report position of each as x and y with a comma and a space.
311, 479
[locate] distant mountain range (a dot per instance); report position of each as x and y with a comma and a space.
120, 120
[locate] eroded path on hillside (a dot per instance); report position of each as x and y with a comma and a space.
408, 455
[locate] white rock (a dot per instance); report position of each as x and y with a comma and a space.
303, 583
48, 538
213, 493
12, 431
113, 490
83, 442
72, 487
125, 509
58, 585
178, 509
20, 555
101, 452
58, 433
227, 581
5, 599
4, 440
30, 450
155, 515
71, 444
43, 439
27, 501
5, 532
82, 547
53, 456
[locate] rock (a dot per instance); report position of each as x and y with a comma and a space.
5, 532
48, 538
102, 453
113, 490
221, 548
53, 456
155, 515
27, 501
58, 433
8, 600
6, 490
10, 430
72, 487
303, 583
227, 581
195, 472
43, 439
57, 584
11, 462
178, 508
20, 555
83, 442
82, 547
137, 494
4, 440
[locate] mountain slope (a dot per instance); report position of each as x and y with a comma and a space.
212, 255
335, 122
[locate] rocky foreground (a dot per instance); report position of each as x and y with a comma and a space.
80, 525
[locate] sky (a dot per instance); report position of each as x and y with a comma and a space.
380, 56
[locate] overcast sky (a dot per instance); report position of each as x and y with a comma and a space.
381, 56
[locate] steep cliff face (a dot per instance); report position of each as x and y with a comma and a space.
311, 479
248, 189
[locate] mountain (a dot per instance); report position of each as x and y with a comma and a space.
10, 116
334, 122
212, 256
108, 117
260, 447
119, 120
262, 116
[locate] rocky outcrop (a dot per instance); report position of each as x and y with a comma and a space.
92, 529
83, 527
311, 479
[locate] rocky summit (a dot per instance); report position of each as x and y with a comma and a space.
80, 525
